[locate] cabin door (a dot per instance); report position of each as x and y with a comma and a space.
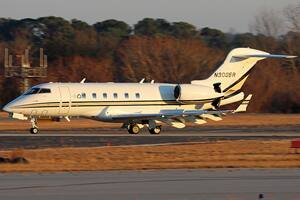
64, 106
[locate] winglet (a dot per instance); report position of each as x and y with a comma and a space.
244, 104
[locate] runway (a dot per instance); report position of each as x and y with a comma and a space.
213, 184
167, 131
116, 137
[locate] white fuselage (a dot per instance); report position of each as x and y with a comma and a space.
103, 100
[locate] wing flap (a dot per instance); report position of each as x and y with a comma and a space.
212, 117
136, 116
176, 114
173, 123
179, 117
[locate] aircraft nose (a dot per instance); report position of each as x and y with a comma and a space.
8, 107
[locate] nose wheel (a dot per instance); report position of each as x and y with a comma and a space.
34, 129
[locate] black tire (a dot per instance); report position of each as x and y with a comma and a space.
155, 131
34, 130
134, 129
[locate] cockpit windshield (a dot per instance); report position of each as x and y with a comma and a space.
37, 91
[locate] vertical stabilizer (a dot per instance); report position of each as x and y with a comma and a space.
235, 69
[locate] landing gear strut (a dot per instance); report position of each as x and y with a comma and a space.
133, 129
156, 130
34, 129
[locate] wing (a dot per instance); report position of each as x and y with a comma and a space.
169, 114
178, 118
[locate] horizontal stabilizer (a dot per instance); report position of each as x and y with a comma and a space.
264, 56
233, 98
244, 104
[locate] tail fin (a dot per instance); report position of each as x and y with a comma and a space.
234, 71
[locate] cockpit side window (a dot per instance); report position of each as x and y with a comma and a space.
32, 91
37, 91
44, 90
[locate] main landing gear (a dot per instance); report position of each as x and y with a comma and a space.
155, 131
136, 128
34, 129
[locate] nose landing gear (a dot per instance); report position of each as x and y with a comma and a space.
34, 129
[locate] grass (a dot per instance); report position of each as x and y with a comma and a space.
225, 154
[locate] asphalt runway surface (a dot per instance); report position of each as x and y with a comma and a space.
213, 184
119, 137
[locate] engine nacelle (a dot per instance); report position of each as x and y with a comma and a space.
190, 94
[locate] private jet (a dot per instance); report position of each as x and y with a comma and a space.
144, 105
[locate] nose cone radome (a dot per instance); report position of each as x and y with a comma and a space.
8, 108
13, 106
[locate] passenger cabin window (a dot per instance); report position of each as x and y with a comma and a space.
37, 91
94, 95
115, 95
126, 95
137, 95
83, 95
104, 95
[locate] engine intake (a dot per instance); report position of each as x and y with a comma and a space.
177, 91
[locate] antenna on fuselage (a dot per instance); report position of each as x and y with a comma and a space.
83, 80
142, 81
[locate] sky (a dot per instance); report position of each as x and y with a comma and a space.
227, 15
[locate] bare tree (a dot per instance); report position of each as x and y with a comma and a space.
268, 23
291, 40
292, 15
